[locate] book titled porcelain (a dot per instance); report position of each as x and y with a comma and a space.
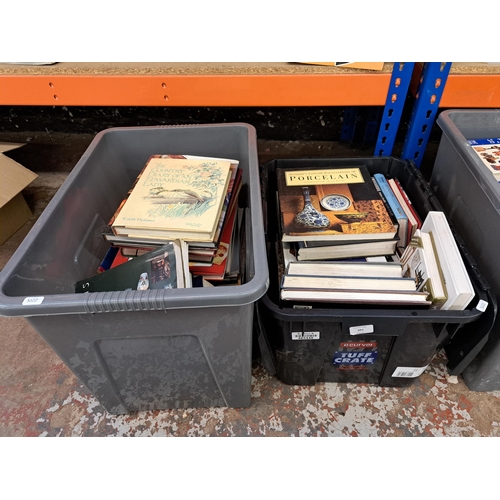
331, 204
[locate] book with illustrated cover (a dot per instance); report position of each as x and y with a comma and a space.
175, 198
459, 289
419, 262
159, 269
124, 240
488, 151
331, 204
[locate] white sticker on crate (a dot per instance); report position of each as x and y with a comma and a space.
408, 372
32, 301
360, 330
305, 335
482, 305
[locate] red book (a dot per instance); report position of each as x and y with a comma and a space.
217, 269
410, 204
414, 221
119, 259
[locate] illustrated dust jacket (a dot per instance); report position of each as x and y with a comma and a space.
331, 204
158, 269
489, 152
176, 196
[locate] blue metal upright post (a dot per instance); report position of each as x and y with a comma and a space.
396, 96
372, 126
349, 124
429, 92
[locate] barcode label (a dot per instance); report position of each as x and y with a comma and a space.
32, 301
305, 335
408, 372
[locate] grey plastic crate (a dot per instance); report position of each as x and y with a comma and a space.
139, 350
471, 198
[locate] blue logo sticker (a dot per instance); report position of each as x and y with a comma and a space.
360, 353
355, 358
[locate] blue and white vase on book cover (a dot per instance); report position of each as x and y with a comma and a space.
309, 216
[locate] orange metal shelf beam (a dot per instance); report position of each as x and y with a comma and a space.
195, 90
466, 90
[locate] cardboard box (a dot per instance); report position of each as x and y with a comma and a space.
14, 210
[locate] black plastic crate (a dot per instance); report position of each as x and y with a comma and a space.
385, 345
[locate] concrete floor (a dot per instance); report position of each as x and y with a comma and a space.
40, 396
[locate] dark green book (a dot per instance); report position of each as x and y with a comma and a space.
158, 269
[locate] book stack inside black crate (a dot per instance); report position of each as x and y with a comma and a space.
387, 345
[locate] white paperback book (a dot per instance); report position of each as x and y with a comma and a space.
457, 282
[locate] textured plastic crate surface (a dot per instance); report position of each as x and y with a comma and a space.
139, 350
471, 198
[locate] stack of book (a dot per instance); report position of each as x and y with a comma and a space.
347, 236
192, 199
350, 282
433, 259
333, 213
401, 207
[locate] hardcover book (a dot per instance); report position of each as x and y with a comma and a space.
120, 259
459, 288
346, 268
414, 221
390, 198
123, 240
419, 262
331, 204
217, 268
175, 198
306, 251
488, 151
356, 296
161, 268
348, 283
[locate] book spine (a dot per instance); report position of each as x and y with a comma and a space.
409, 203
229, 200
390, 197
394, 208
383, 198
108, 260
412, 223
